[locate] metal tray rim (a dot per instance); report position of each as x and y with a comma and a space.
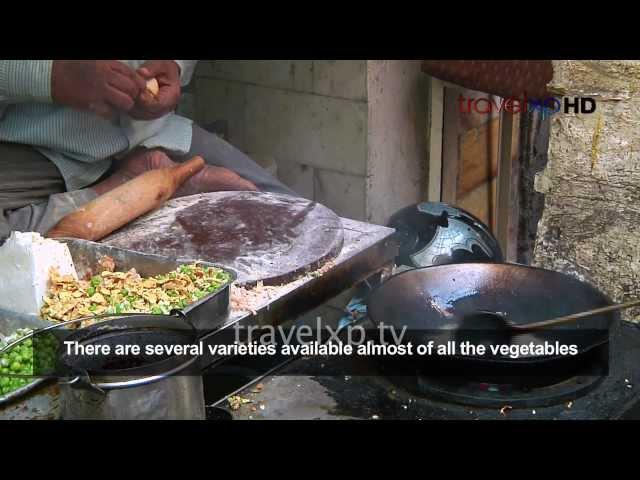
185, 260
16, 394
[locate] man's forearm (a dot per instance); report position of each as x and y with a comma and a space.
25, 80
507, 78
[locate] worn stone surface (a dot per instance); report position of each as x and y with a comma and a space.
533, 157
591, 221
262, 236
609, 79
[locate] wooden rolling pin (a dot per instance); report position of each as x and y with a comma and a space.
125, 203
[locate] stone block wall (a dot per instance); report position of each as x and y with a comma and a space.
590, 225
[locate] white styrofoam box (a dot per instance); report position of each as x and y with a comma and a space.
25, 262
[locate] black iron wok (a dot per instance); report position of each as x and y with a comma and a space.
433, 301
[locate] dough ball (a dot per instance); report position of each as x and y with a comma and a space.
153, 87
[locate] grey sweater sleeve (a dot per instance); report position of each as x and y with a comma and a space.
25, 80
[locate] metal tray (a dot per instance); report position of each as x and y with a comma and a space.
20, 392
207, 313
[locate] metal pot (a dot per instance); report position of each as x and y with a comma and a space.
107, 388
166, 398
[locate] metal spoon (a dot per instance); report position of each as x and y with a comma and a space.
496, 321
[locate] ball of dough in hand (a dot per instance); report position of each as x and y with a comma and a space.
153, 87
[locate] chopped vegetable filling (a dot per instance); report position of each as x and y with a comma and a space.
113, 292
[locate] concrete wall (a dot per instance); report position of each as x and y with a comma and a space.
313, 118
397, 137
590, 225
309, 116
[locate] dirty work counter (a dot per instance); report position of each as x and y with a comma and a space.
367, 249
292, 255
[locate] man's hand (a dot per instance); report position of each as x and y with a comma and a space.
167, 74
140, 160
215, 179
101, 86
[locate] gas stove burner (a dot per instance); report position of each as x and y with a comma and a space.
540, 389
496, 395
595, 394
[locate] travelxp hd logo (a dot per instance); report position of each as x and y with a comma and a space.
546, 106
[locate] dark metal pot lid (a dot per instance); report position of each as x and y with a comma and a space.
435, 233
